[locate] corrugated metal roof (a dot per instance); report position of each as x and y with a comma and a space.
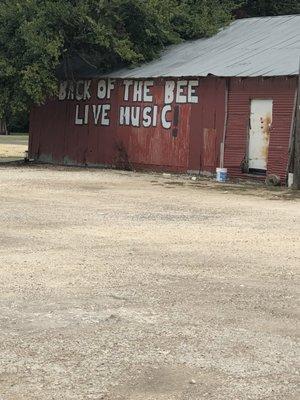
264, 46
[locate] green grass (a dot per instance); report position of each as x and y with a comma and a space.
15, 138
19, 134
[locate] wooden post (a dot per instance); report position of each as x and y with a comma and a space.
296, 184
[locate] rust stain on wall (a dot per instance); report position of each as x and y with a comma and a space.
266, 122
209, 151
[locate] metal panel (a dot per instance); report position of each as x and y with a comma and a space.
61, 134
259, 134
191, 142
207, 117
209, 149
241, 92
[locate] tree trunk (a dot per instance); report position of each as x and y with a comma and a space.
3, 127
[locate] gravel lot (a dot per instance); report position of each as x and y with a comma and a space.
130, 286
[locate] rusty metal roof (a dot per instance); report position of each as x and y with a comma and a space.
264, 46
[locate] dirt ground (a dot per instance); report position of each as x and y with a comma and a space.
13, 147
130, 286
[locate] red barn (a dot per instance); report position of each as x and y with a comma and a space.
228, 100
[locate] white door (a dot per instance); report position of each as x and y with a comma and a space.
259, 135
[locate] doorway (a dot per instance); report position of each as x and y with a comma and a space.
259, 135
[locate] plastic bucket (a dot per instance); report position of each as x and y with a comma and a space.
290, 180
221, 174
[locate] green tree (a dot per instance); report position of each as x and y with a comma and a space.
44, 40
258, 8
193, 19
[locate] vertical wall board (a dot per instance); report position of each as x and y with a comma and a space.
72, 133
210, 148
207, 117
101, 139
34, 137
58, 124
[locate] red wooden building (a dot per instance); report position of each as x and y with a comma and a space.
225, 101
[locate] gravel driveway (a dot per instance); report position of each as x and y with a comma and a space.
130, 286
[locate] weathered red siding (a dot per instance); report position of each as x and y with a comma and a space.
207, 125
156, 147
56, 138
241, 92
191, 144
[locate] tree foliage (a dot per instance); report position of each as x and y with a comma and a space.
253, 8
44, 40
41, 38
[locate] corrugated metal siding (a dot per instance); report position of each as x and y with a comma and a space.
193, 142
207, 124
154, 146
56, 138
241, 91
47, 130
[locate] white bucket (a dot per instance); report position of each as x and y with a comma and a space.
290, 180
221, 174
